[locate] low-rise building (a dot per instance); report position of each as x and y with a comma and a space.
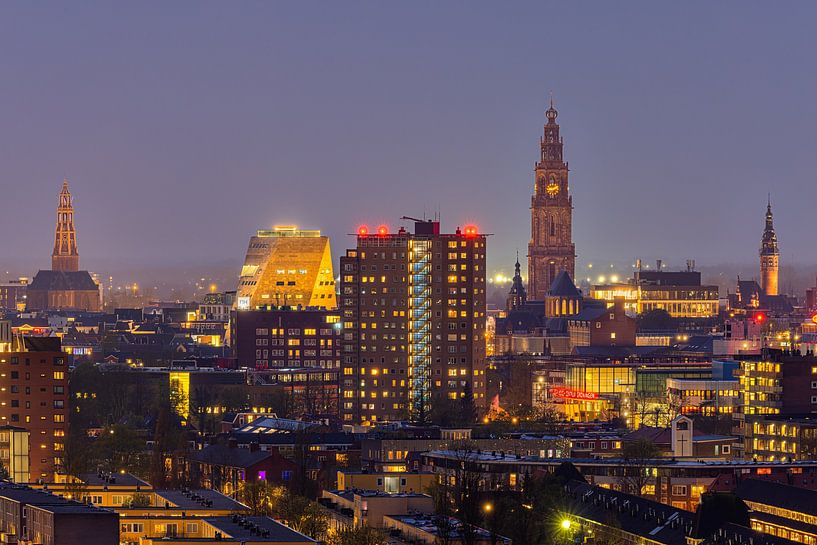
425, 530
672, 481
781, 510
389, 483
36, 516
778, 437
368, 507
233, 530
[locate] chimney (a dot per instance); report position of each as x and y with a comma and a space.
658, 264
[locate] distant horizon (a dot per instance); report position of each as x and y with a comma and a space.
190, 130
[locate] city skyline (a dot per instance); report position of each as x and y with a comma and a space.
672, 142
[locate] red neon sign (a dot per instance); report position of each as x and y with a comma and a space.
567, 393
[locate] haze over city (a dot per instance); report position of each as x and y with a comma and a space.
408, 273
184, 127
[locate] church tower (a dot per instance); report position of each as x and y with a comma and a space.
769, 256
517, 297
65, 256
551, 249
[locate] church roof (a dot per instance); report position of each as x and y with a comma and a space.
62, 281
518, 321
563, 286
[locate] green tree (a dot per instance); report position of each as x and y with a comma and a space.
261, 497
467, 413
361, 535
119, 448
655, 320
139, 500
303, 515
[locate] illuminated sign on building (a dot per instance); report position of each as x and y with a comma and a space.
567, 393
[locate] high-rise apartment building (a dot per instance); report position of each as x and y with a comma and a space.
551, 249
34, 389
287, 266
413, 311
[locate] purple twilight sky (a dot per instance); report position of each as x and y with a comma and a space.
185, 126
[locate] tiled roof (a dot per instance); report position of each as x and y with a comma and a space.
62, 281
563, 286
230, 457
779, 495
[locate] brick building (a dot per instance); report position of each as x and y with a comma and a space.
413, 309
34, 385
598, 325
286, 337
64, 286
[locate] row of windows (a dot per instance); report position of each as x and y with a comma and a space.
278, 332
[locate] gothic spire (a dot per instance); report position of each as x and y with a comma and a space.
517, 297
65, 256
769, 242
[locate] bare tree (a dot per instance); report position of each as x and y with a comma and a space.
634, 472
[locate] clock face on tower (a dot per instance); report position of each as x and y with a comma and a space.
552, 188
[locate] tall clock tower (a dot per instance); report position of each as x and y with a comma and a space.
551, 247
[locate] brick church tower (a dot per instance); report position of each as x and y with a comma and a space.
65, 256
551, 249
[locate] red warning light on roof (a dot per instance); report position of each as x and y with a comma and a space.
382, 230
362, 231
470, 230
759, 317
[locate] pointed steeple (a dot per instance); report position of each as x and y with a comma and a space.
551, 112
517, 297
769, 242
65, 256
769, 254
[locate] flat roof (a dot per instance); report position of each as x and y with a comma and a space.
199, 499
257, 529
512, 458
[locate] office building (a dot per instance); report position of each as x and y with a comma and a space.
287, 266
681, 293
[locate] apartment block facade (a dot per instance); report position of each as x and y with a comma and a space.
34, 390
413, 311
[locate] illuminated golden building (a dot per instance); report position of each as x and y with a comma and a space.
287, 267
